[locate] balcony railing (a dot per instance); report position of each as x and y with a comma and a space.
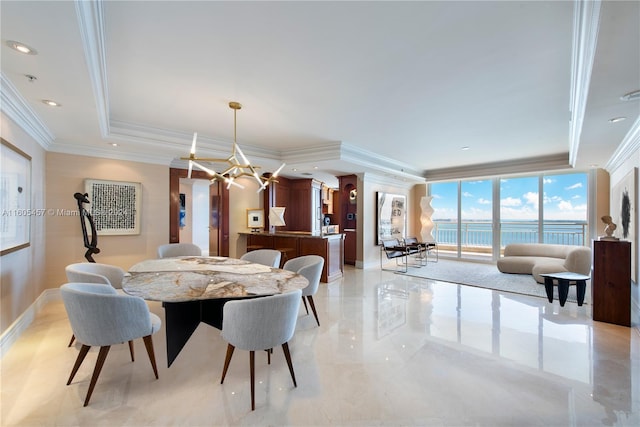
479, 234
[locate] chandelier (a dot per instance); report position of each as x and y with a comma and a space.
234, 168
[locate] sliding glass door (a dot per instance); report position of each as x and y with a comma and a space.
445, 216
477, 218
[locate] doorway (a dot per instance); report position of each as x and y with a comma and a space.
206, 212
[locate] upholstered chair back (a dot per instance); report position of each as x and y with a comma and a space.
93, 272
270, 257
171, 250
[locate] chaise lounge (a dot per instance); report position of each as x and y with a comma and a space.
540, 258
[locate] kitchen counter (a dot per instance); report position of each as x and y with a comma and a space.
293, 244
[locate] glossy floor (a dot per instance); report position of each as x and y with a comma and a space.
391, 350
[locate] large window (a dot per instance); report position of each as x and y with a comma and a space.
565, 209
445, 215
476, 213
519, 210
477, 218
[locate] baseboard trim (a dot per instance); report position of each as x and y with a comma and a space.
16, 329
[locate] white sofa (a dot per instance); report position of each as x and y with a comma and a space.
539, 258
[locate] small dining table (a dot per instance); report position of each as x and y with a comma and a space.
194, 289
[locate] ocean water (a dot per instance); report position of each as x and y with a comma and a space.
479, 233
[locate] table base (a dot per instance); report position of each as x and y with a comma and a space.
563, 289
182, 319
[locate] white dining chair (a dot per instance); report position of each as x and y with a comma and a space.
270, 257
260, 324
309, 266
100, 316
94, 272
171, 250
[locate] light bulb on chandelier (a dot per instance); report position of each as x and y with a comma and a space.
234, 168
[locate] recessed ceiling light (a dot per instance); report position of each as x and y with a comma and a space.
631, 96
465, 148
31, 78
295, 169
51, 103
21, 47
114, 144
617, 119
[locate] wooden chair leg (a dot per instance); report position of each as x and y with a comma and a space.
227, 359
252, 373
287, 355
81, 355
131, 351
102, 356
305, 304
148, 344
313, 308
73, 338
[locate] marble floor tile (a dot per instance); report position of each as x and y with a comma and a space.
391, 350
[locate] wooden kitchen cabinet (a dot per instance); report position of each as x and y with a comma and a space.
295, 244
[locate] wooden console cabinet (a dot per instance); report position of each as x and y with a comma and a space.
294, 244
611, 282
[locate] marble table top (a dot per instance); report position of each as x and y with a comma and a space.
193, 278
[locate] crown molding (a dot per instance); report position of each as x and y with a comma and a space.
17, 109
318, 153
630, 143
533, 164
180, 141
151, 157
586, 16
91, 25
356, 155
387, 180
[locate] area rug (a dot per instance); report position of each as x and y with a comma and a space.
487, 276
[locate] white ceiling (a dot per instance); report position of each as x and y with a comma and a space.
391, 87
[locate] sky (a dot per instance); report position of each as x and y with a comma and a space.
565, 198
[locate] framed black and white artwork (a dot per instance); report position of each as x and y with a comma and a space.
255, 218
114, 206
391, 216
15, 198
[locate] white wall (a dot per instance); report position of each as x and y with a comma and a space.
22, 271
616, 176
200, 207
368, 252
239, 201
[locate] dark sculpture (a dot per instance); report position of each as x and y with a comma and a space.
92, 248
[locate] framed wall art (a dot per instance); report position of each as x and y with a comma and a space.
15, 198
114, 206
624, 211
391, 216
255, 219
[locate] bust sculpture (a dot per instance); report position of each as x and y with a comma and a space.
609, 229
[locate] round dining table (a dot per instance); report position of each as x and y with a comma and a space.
194, 289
